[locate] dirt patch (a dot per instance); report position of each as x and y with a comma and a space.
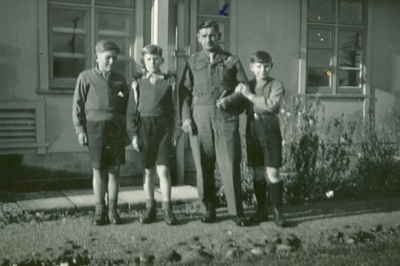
328, 233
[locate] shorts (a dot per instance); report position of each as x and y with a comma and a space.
155, 139
106, 143
264, 142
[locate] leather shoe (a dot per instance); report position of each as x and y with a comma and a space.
208, 219
169, 217
241, 221
113, 217
210, 215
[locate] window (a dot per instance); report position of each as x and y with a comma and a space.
74, 27
336, 46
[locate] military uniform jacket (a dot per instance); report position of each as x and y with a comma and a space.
204, 82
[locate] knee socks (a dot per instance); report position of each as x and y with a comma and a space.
277, 193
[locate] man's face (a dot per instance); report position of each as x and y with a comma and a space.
261, 70
106, 60
152, 62
208, 38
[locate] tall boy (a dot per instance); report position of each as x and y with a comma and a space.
210, 117
153, 126
98, 113
264, 140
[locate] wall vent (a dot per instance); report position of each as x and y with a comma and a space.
22, 127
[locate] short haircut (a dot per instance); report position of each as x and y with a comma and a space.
152, 49
261, 57
208, 24
106, 45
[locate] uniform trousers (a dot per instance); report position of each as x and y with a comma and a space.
217, 139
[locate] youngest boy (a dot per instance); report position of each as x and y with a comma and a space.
153, 126
264, 140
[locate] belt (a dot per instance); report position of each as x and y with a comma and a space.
204, 100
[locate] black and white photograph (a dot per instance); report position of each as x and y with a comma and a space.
199, 132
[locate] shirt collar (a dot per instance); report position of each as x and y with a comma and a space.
157, 75
218, 53
98, 71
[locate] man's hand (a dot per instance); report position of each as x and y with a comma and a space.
222, 102
135, 143
175, 140
82, 138
188, 126
243, 89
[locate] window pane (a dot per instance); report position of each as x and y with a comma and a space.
350, 49
72, 1
208, 7
319, 38
349, 78
319, 67
69, 43
321, 10
351, 12
69, 18
68, 67
114, 22
318, 77
319, 58
126, 3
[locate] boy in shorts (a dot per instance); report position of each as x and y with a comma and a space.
99, 117
264, 140
153, 126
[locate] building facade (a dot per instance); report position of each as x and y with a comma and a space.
346, 53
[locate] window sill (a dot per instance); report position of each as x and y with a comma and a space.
56, 91
337, 96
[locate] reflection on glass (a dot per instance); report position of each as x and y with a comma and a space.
68, 67
208, 7
69, 18
68, 43
126, 3
320, 38
350, 49
318, 77
351, 12
320, 10
349, 78
319, 58
113, 22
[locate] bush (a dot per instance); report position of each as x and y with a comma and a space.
349, 157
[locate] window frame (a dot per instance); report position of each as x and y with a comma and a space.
45, 66
335, 90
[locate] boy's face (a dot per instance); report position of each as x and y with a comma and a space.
106, 60
208, 38
152, 62
261, 70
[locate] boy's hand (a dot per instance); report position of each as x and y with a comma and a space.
244, 89
188, 126
135, 143
82, 138
222, 102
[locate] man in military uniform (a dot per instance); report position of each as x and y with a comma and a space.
210, 116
